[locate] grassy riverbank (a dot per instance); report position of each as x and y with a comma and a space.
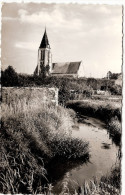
107, 110
107, 185
103, 110
32, 134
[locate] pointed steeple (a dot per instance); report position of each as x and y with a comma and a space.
45, 42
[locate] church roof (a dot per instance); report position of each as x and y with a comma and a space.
44, 42
66, 68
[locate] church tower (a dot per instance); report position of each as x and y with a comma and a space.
44, 62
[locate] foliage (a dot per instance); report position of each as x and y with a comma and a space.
44, 70
81, 87
9, 77
115, 125
113, 75
114, 128
104, 110
68, 147
115, 90
92, 82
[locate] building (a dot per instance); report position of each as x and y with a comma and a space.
70, 69
44, 62
45, 65
109, 75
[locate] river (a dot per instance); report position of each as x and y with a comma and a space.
102, 150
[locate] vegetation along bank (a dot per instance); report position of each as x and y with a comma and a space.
108, 111
32, 134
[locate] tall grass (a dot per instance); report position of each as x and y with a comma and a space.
32, 134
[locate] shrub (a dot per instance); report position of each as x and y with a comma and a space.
68, 147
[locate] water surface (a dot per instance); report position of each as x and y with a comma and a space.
102, 150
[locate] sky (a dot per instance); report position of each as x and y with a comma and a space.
76, 32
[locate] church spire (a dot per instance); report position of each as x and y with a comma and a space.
44, 57
45, 42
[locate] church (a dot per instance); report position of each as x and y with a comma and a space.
44, 63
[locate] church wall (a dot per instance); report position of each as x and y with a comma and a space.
46, 61
65, 75
81, 71
50, 61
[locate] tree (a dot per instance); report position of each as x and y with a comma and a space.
44, 71
9, 77
115, 90
92, 82
115, 76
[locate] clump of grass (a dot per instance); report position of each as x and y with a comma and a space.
114, 129
115, 126
68, 147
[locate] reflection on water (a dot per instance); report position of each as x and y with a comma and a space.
102, 150
58, 168
106, 146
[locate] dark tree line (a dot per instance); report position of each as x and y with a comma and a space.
10, 78
85, 86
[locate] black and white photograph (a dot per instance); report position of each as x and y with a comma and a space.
61, 98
